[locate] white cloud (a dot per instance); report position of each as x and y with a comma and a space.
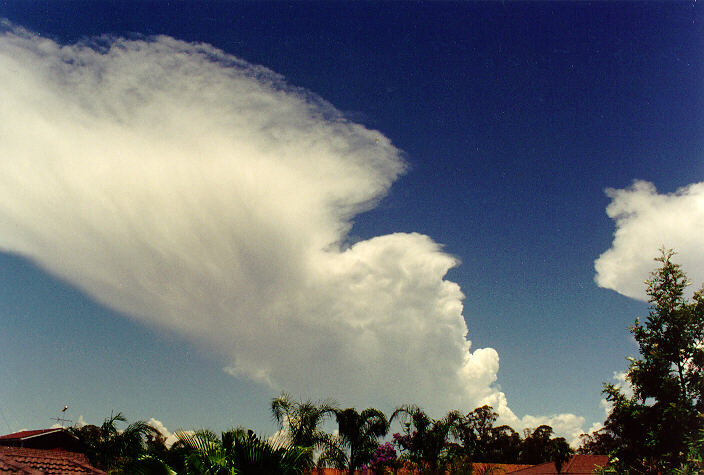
596, 426
569, 426
645, 222
622, 384
81, 421
169, 436
280, 437
196, 192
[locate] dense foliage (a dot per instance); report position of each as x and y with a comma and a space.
457, 440
110, 447
359, 432
300, 422
425, 440
239, 452
431, 445
659, 426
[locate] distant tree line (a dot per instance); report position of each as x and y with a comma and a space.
426, 444
659, 429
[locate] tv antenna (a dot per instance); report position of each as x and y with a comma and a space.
61, 420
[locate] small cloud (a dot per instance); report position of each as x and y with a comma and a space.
279, 438
646, 221
621, 383
596, 426
158, 425
569, 426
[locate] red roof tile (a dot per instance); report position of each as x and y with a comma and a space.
585, 463
47, 462
578, 464
543, 468
477, 468
497, 468
11, 467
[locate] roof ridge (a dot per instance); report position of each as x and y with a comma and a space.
26, 434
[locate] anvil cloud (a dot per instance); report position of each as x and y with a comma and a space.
193, 191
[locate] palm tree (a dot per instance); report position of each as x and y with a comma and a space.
300, 422
240, 452
147, 465
429, 437
111, 448
359, 432
204, 454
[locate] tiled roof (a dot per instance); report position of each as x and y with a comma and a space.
26, 434
585, 463
11, 467
578, 464
46, 462
477, 468
50, 439
543, 468
497, 468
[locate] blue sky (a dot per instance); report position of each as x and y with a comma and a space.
173, 211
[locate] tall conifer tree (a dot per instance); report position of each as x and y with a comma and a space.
651, 430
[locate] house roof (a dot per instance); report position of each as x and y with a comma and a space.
59, 438
578, 464
477, 468
27, 434
585, 463
25, 461
543, 468
8, 466
496, 468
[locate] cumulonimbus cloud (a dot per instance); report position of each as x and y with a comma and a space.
645, 222
196, 192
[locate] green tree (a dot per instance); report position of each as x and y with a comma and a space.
536, 446
360, 433
600, 442
111, 448
147, 465
695, 456
474, 431
503, 445
425, 439
560, 452
301, 422
651, 429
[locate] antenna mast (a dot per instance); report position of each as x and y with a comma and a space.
61, 420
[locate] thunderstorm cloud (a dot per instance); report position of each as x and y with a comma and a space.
645, 222
196, 192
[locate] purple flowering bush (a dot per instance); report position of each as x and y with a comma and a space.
384, 457
407, 442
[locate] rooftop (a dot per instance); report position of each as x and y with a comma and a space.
26, 461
